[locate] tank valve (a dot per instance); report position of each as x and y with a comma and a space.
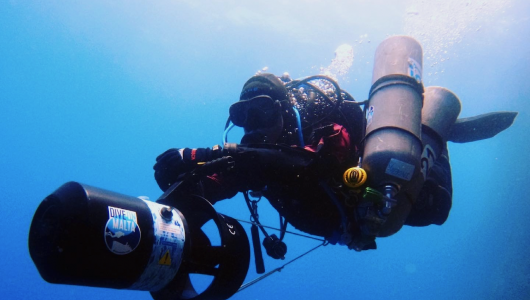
390, 192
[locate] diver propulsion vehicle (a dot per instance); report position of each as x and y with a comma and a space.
83, 235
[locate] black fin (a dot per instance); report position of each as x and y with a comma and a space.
481, 127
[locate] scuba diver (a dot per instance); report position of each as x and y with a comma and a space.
330, 169
300, 136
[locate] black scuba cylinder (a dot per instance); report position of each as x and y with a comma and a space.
392, 145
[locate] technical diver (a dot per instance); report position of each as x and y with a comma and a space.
300, 136
330, 168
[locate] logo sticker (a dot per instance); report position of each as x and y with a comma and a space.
414, 69
369, 116
122, 233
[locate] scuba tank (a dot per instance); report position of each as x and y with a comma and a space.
440, 111
392, 146
392, 143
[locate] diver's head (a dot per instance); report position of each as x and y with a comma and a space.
271, 111
259, 110
317, 99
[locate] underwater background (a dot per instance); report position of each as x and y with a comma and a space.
93, 91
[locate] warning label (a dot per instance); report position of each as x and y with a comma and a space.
165, 259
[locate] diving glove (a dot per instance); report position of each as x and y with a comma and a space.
175, 162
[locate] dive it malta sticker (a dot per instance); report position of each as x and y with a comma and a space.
122, 233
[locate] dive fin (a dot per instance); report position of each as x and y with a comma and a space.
480, 127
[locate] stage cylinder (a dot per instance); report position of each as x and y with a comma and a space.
393, 146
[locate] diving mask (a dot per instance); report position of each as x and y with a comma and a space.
257, 112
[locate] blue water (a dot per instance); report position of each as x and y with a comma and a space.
94, 91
